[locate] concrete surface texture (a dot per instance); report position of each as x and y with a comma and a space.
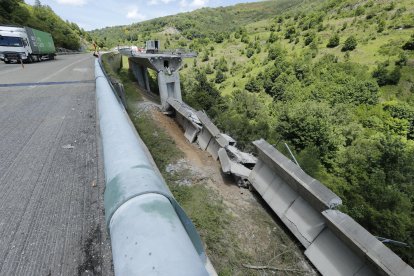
51, 177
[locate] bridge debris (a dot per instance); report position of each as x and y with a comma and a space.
239, 171
187, 118
199, 128
334, 242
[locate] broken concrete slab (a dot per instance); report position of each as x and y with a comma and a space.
312, 190
224, 161
365, 245
241, 157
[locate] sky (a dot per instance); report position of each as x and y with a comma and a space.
97, 14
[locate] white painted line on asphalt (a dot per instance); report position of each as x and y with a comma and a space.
59, 71
9, 71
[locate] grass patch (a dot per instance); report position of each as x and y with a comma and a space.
163, 149
208, 212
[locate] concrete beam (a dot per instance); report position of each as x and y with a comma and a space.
293, 195
382, 260
210, 138
335, 243
187, 119
318, 195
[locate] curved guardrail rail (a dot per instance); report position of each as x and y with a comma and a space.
150, 233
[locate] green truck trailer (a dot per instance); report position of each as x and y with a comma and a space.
25, 44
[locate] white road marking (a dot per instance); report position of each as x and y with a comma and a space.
12, 70
59, 71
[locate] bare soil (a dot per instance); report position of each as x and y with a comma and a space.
260, 234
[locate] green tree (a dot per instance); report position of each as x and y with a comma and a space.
350, 44
249, 52
276, 52
201, 94
253, 85
333, 41
381, 26
360, 10
205, 57
209, 70
384, 77
409, 45
309, 39
245, 118
290, 32
310, 123
219, 38
272, 37
220, 77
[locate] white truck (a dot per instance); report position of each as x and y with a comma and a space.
25, 44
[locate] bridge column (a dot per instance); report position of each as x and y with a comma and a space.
169, 87
141, 74
147, 86
167, 67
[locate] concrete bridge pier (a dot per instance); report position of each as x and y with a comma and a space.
169, 87
141, 74
167, 67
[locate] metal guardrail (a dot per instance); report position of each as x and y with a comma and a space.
150, 233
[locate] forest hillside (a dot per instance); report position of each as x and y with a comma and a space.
65, 34
332, 79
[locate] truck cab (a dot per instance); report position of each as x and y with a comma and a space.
14, 44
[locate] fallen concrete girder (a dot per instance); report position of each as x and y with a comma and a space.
187, 118
228, 166
334, 242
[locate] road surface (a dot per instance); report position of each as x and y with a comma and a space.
51, 177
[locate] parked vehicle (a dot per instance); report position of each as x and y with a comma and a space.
25, 44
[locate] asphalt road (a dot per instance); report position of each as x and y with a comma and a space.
51, 177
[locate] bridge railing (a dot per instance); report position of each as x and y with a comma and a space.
150, 233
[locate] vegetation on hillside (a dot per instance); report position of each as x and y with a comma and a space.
206, 24
333, 79
65, 34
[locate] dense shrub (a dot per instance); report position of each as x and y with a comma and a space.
350, 44
409, 45
385, 77
333, 41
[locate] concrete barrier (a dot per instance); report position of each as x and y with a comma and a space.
296, 198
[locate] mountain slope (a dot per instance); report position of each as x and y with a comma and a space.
65, 34
332, 79
202, 23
